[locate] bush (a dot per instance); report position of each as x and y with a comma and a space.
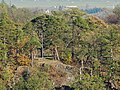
37, 81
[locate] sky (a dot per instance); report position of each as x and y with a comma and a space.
49, 3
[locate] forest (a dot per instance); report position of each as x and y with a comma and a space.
62, 50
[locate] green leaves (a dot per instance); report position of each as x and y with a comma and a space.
81, 23
89, 83
33, 43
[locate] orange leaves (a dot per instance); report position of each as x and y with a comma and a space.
96, 20
23, 60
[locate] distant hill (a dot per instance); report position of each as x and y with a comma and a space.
93, 10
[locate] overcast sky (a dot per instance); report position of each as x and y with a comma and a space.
49, 3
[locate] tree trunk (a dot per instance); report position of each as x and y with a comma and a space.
82, 64
73, 41
91, 73
80, 73
42, 46
54, 54
31, 57
32, 54
57, 55
5, 54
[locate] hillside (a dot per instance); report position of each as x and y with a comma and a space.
63, 50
